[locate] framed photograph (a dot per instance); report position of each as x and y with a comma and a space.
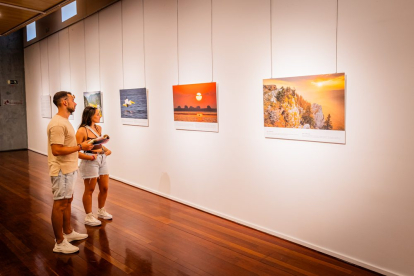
134, 106
94, 99
195, 107
46, 106
309, 108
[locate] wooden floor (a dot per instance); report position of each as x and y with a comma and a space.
149, 235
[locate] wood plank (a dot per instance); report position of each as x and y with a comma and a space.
11, 17
149, 235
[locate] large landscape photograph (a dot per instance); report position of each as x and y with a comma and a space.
309, 102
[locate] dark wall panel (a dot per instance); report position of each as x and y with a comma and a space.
13, 126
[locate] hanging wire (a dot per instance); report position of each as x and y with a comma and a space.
271, 41
99, 62
48, 67
337, 15
70, 73
178, 58
122, 41
212, 78
84, 50
60, 75
70, 66
41, 75
143, 39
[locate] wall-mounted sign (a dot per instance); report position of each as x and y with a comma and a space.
12, 102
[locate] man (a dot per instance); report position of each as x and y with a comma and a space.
63, 167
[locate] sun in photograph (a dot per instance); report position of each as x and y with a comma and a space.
195, 102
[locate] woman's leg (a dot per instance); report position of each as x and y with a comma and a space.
103, 183
87, 194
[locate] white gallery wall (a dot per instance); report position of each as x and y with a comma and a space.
352, 201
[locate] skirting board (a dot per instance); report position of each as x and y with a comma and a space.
257, 227
39, 151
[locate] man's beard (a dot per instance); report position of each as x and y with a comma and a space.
71, 110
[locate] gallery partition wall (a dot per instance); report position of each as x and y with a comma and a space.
352, 200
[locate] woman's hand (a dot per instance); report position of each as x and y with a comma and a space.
108, 152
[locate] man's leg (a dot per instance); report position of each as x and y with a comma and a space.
62, 245
69, 233
67, 229
62, 187
59, 206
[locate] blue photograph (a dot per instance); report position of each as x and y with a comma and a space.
134, 103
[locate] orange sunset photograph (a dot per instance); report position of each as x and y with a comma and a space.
195, 102
309, 102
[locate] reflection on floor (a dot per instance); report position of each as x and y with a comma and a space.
149, 235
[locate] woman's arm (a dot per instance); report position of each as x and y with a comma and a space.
106, 150
80, 138
99, 129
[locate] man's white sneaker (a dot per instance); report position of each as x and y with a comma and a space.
65, 247
74, 236
102, 213
91, 220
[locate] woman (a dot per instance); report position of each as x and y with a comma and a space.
93, 167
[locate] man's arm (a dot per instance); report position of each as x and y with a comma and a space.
56, 139
58, 150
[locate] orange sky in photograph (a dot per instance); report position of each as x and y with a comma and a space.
186, 95
325, 90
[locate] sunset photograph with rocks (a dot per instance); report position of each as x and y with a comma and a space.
308, 102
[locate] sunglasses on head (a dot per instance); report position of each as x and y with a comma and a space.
73, 96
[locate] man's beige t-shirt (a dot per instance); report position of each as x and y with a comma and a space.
61, 132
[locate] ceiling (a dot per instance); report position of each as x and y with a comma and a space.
15, 15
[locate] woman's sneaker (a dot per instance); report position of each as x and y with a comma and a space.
65, 247
74, 236
102, 213
91, 220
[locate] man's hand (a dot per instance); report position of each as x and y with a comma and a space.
86, 146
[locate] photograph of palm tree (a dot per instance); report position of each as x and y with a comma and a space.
309, 102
